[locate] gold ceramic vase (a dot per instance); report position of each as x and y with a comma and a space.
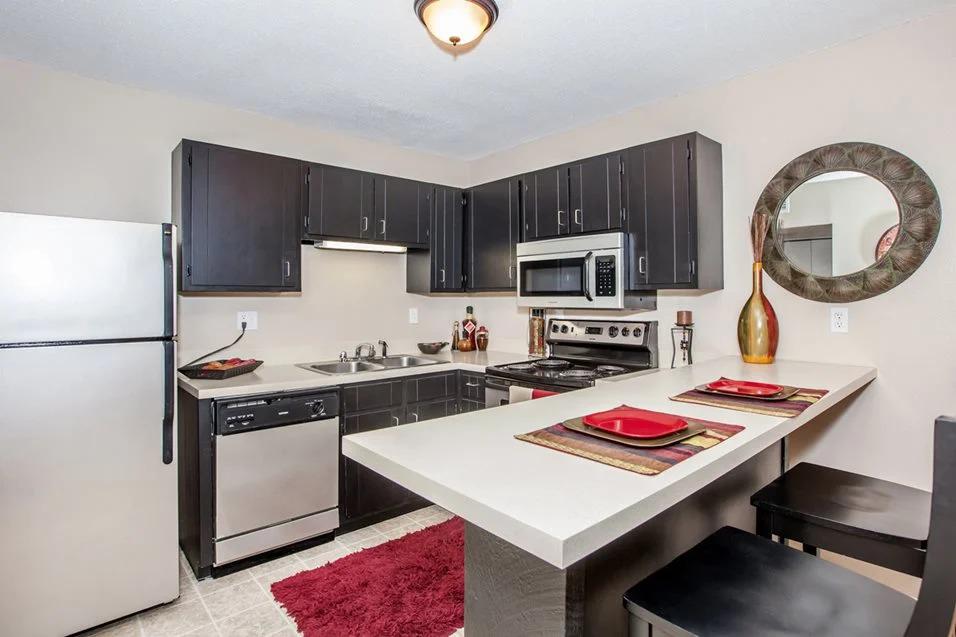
757, 329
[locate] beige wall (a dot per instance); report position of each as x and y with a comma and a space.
895, 88
80, 147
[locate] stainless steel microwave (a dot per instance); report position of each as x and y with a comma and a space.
583, 271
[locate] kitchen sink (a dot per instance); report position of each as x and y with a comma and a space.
336, 368
393, 362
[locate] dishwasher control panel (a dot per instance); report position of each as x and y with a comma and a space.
261, 412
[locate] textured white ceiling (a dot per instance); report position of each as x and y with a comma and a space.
368, 67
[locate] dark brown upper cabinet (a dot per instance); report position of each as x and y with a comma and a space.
440, 267
580, 197
239, 213
397, 218
341, 203
492, 231
674, 214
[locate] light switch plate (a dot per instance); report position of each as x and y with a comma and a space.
413, 316
251, 320
839, 320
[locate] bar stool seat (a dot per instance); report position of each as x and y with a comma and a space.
734, 584
874, 520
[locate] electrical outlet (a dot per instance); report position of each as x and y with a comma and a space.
413, 316
251, 319
839, 319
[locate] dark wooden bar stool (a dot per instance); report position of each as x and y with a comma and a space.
734, 584
873, 520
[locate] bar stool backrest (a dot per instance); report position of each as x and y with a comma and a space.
937, 598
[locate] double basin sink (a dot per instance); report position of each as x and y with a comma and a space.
335, 368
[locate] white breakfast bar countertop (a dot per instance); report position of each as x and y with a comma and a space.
560, 507
278, 378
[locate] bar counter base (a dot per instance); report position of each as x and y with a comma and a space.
508, 591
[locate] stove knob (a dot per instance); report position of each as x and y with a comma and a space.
626, 331
612, 331
554, 327
564, 329
638, 333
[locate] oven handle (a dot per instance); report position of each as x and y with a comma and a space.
587, 276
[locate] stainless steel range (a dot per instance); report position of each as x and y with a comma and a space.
581, 352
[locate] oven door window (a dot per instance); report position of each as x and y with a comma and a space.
552, 277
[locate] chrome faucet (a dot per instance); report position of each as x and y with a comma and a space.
363, 346
384, 348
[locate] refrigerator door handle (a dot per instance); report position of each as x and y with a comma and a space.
169, 283
169, 398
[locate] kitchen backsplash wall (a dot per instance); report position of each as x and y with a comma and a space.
347, 298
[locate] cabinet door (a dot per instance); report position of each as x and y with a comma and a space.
596, 194
546, 209
341, 203
240, 228
447, 239
367, 396
468, 406
365, 493
431, 387
492, 235
472, 386
659, 214
396, 210
429, 411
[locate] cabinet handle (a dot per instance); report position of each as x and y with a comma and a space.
577, 217
511, 272
442, 275
288, 269
560, 212
642, 265
364, 224
472, 385
383, 227
397, 421
693, 267
414, 415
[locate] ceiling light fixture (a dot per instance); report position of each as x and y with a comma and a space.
457, 21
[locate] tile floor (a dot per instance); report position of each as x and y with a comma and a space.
240, 604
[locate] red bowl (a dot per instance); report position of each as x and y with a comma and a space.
631, 422
744, 387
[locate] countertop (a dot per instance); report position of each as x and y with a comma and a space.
275, 378
560, 507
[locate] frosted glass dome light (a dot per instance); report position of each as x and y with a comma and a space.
457, 21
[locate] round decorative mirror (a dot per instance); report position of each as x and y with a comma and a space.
848, 222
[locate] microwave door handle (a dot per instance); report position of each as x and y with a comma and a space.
587, 276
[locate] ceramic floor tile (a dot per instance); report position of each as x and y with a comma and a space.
369, 543
422, 514
327, 557
209, 630
234, 600
174, 620
358, 536
438, 518
319, 550
391, 525
268, 579
277, 563
288, 631
211, 585
402, 531
260, 621
123, 628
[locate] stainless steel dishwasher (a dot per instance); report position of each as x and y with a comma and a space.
277, 471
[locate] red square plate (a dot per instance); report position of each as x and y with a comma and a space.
744, 387
631, 422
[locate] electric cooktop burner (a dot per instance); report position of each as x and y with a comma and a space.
578, 373
520, 367
609, 369
551, 363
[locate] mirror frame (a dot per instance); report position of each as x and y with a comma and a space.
916, 199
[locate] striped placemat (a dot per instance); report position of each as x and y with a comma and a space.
646, 461
787, 408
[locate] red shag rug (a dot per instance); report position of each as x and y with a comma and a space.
412, 586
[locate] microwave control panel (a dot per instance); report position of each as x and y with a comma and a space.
605, 276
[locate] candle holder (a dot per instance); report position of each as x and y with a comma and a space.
685, 345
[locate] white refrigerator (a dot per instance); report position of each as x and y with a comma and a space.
88, 498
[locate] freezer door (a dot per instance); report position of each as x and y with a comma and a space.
67, 279
88, 530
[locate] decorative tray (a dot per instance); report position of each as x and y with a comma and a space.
220, 369
693, 429
630, 422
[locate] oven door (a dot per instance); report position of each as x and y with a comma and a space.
579, 279
498, 390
